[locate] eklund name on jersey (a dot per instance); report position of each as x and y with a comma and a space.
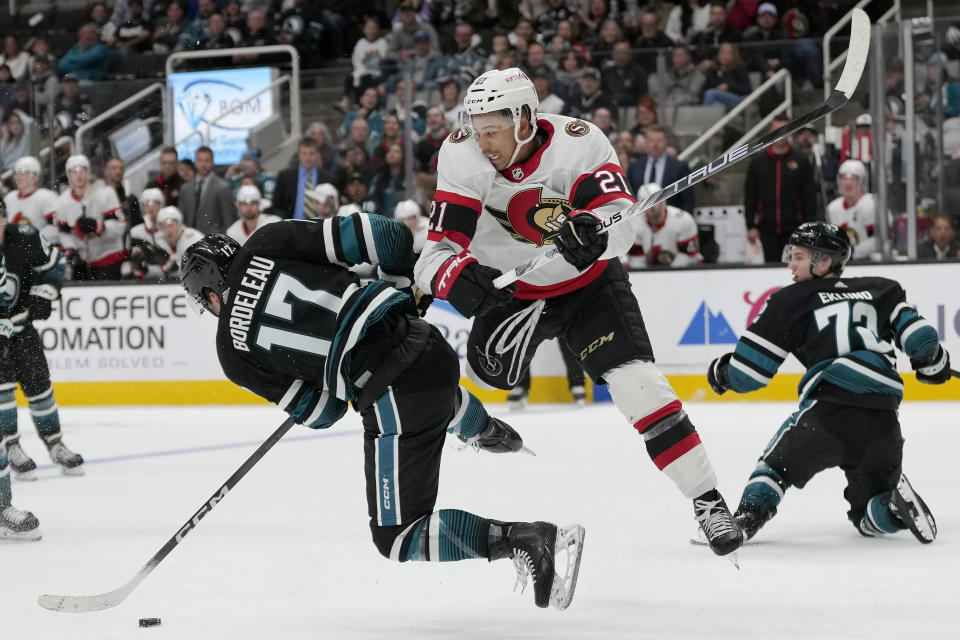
246, 299
827, 296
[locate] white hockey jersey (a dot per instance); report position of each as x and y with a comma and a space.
504, 218
103, 247
676, 242
150, 235
36, 209
857, 220
239, 232
189, 236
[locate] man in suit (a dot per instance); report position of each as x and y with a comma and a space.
658, 166
289, 197
206, 201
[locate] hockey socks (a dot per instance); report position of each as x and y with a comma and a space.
674, 446
447, 535
44, 413
470, 418
8, 410
878, 519
6, 496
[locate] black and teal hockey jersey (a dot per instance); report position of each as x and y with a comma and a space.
843, 330
27, 261
293, 311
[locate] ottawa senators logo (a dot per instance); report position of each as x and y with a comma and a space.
459, 135
531, 218
577, 128
490, 365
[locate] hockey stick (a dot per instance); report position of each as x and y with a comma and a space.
83, 604
955, 373
849, 79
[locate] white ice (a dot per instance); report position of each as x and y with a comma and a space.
288, 555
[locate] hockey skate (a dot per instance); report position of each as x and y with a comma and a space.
717, 524
498, 437
70, 463
533, 547
579, 395
517, 399
22, 465
913, 511
18, 525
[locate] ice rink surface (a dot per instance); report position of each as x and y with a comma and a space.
287, 554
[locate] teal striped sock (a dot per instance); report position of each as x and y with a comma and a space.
8, 411
470, 418
44, 413
6, 496
449, 535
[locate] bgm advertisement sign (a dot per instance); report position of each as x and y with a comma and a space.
199, 101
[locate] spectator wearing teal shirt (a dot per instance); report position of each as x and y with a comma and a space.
89, 59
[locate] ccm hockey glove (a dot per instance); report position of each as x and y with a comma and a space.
468, 286
581, 240
89, 226
934, 371
717, 374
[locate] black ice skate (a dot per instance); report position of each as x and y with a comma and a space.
18, 525
579, 395
913, 511
22, 465
498, 437
533, 547
71, 464
517, 399
749, 522
716, 523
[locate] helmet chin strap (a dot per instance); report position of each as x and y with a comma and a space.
520, 143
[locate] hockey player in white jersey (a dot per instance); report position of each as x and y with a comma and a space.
91, 223
174, 239
669, 238
146, 256
29, 203
854, 211
249, 217
510, 182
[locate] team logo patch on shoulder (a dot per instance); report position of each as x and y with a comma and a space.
459, 135
577, 128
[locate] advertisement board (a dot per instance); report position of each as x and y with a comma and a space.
198, 99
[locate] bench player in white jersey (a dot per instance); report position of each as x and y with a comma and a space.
668, 238
174, 239
509, 183
854, 211
29, 203
91, 223
146, 256
248, 209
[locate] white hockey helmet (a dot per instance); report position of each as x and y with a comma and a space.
78, 161
406, 209
152, 195
647, 190
169, 213
248, 193
510, 90
27, 164
854, 168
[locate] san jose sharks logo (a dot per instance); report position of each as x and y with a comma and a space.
9, 288
530, 218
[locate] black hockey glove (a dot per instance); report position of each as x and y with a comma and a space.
39, 308
717, 374
933, 371
581, 240
468, 286
88, 226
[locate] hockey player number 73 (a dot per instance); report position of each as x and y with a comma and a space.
862, 314
278, 306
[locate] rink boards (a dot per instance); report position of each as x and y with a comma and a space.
142, 344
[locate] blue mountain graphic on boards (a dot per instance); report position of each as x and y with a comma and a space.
708, 328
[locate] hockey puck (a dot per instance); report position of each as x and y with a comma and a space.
149, 622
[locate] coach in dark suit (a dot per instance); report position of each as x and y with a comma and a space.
289, 198
658, 166
206, 202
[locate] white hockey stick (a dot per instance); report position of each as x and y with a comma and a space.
849, 79
83, 604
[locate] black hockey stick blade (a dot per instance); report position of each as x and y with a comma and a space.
842, 92
955, 373
99, 602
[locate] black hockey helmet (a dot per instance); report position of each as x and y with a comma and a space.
204, 267
824, 240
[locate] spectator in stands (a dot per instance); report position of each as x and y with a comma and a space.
661, 9
16, 138
328, 153
624, 81
549, 102
40, 48
646, 113
289, 197
169, 181
100, 19
187, 170
768, 58
7, 83
669, 237
603, 119
113, 178
467, 60
256, 32
174, 238
424, 189
15, 58
198, 30
89, 59
500, 51
450, 100
249, 167
169, 29
591, 21
778, 195
549, 18
426, 66
409, 213
20, 99
681, 84
650, 38
623, 145
601, 51
369, 54
355, 194
589, 97
522, 35
568, 74
401, 39
133, 36
727, 82
942, 244
705, 43
302, 26
938, 80
656, 165
686, 19
386, 188
71, 108
45, 84
537, 60
428, 148
250, 218
216, 36
368, 109
391, 134
206, 201
359, 135
354, 160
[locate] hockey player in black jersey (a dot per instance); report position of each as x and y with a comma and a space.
299, 329
843, 330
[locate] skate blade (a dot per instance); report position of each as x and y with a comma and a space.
920, 523
7, 535
25, 476
570, 541
75, 471
734, 559
527, 450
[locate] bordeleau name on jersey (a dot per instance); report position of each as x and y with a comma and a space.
246, 298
